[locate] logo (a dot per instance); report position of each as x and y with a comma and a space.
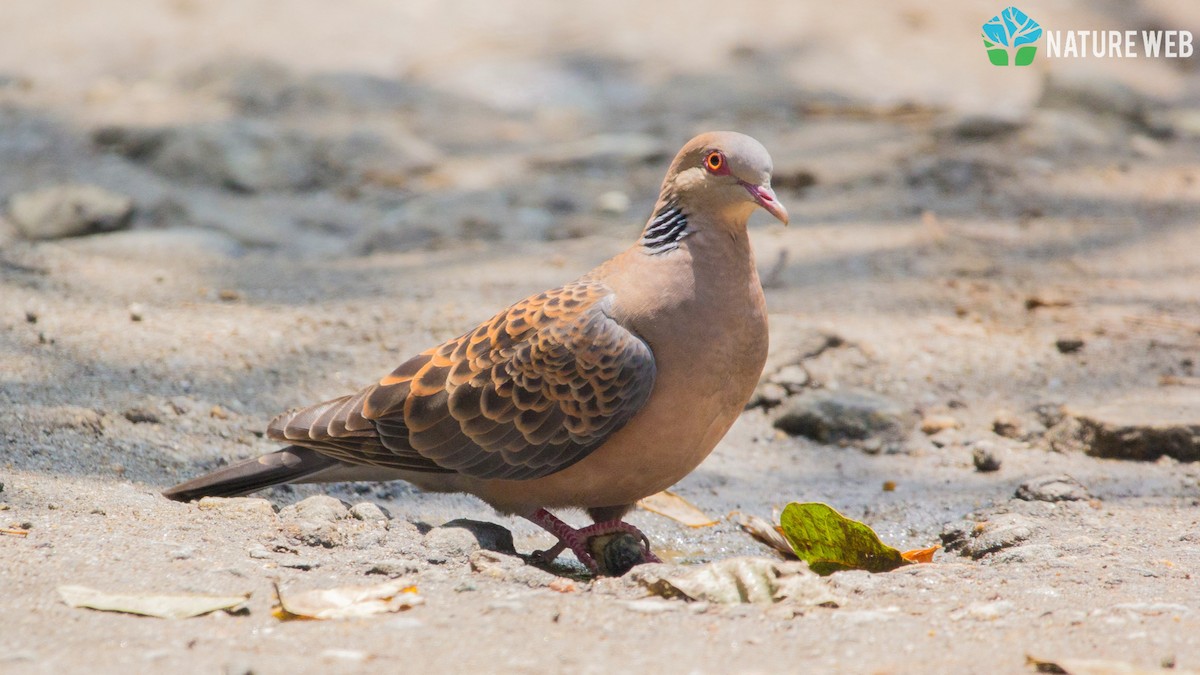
1009, 38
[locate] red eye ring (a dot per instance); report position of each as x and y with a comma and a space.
714, 161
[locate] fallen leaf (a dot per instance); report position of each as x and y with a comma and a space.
737, 580
829, 541
1097, 667
14, 531
149, 604
920, 555
762, 530
671, 505
347, 602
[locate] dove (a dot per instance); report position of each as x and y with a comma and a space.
591, 396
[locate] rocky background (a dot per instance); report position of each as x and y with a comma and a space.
985, 322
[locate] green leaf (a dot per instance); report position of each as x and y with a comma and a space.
1025, 55
829, 541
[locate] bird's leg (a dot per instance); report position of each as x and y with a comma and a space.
577, 539
568, 537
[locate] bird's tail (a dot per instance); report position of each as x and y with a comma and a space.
289, 465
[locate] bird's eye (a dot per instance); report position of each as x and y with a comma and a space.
715, 161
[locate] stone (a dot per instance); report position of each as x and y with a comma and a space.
242, 156
932, 424
831, 416
459, 538
793, 378
369, 512
509, 568
394, 568
1008, 425
1069, 345
142, 416
983, 456
1053, 488
69, 211
321, 508
1143, 427
976, 540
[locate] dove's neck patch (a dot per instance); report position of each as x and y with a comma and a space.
666, 230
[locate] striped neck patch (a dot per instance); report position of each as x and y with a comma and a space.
666, 230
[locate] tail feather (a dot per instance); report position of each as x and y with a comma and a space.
289, 465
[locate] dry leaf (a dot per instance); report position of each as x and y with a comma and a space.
737, 580
671, 505
347, 602
769, 534
149, 604
920, 555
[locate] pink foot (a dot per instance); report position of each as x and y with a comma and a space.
577, 539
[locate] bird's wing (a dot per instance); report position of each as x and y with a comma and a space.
525, 394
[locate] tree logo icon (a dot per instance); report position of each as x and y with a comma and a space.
1009, 38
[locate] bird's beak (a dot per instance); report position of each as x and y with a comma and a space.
765, 196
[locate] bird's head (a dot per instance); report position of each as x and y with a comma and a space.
726, 174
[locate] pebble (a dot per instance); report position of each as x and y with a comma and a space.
1069, 345
1052, 488
136, 312
394, 568
320, 508
459, 538
984, 456
1144, 427
511, 569
976, 540
69, 211
831, 416
141, 416
931, 424
369, 511
1008, 425
794, 378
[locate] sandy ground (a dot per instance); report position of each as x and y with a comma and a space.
320, 193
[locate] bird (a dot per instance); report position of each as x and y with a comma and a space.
591, 396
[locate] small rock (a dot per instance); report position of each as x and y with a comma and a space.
509, 568
1008, 425
1060, 488
793, 378
30, 316
931, 424
183, 553
983, 455
259, 553
320, 508
830, 416
243, 156
976, 540
460, 538
69, 211
142, 416
394, 568
1069, 345
136, 312
1144, 427
369, 512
